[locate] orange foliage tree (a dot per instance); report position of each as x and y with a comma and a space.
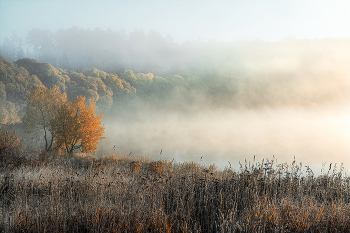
76, 126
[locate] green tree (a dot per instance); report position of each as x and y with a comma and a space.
129, 76
120, 87
2, 91
48, 75
9, 49
42, 108
161, 88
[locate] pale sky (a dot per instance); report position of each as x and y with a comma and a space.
219, 20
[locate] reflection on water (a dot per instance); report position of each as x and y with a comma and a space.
313, 136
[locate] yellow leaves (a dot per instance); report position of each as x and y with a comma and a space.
72, 125
76, 126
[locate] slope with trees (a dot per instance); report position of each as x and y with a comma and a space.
15, 84
64, 124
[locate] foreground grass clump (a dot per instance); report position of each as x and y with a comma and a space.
123, 194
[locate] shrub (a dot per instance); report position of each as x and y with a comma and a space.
135, 166
156, 167
10, 152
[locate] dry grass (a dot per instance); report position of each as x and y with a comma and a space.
156, 166
124, 194
135, 166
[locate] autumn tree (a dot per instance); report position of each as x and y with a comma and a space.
76, 126
42, 109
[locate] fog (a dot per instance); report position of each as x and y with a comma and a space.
264, 80
281, 100
184, 20
313, 136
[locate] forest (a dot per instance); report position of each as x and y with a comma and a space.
109, 90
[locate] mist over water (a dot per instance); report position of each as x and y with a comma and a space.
313, 136
287, 102
289, 99
208, 102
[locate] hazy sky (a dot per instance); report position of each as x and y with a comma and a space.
218, 20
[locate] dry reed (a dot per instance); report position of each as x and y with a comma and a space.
83, 194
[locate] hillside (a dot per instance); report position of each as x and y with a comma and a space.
19, 78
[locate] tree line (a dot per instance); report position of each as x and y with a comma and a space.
77, 49
112, 92
115, 51
287, 78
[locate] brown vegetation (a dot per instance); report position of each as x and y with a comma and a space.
85, 194
156, 166
10, 146
135, 166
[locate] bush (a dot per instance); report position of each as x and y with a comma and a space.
10, 152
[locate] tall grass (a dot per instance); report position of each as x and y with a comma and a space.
84, 194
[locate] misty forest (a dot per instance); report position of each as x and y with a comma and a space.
108, 131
